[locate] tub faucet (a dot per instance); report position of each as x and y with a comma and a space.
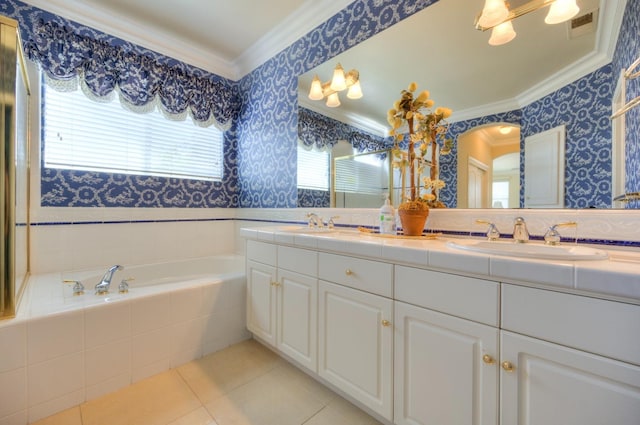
105, 282
520, 232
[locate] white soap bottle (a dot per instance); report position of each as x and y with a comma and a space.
387, 219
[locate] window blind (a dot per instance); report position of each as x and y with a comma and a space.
359, 177
313, 169
82, 134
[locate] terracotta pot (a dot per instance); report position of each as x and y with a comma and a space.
413, 221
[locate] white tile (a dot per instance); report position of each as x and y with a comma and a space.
186, 304
461, 262
144, 372
106, 323
55, 378
150, 348
13, 391
19, 418
544, 272
186, 341
105, 387
149, 313
53, 336
107, 361
56, 405
13, 340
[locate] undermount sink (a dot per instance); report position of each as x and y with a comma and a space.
530, 250
309, 230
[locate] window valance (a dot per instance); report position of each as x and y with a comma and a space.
141, 81
319, 131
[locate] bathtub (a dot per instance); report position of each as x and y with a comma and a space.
70, 349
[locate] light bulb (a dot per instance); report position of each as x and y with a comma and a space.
502, 34
333, 100
338, 81
493, 13
561, 10
355, 91
316, 89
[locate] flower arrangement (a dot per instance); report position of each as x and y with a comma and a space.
427, 129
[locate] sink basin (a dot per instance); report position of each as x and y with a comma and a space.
308, 230
530, 250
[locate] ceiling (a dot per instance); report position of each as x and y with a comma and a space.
227, 37
446, 54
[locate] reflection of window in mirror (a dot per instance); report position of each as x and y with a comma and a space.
500, 194
313, 169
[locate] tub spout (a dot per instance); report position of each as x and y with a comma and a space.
105, 282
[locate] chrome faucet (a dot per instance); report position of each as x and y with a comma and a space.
492, 231
105, 282
314, 220
520, 232
552, 237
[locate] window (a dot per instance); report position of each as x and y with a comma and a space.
82, 134
313, 169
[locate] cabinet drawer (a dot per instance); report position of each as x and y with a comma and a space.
603, 327
466, 297
366, 275
261, 252
298, 260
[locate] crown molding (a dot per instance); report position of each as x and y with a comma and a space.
294, 27
304, 19
352, 119
122, 27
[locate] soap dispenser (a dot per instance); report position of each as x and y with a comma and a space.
387, 219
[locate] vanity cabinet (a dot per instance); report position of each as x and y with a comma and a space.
421, 347
568, 359
356, 345
356, 329
445, 364
282, 300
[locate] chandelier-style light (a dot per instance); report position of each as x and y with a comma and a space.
340, 81
497, 17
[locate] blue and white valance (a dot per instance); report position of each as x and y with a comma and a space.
143, 83
319, 131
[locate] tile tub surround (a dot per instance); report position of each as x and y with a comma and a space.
617, 278
51, 362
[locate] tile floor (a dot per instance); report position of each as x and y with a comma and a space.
245, 384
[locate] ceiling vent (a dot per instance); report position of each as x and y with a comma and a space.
585, 23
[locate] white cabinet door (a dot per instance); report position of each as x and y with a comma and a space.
552, 384
297, 296
356, 345
261, 301
446, 369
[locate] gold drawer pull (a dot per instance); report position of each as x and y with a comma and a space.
348, 272
386, 323
488, 359
508, 366
276, 284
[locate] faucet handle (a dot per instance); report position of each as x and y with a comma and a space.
552, 236
123, 288
78, 287
331, 223
492, 232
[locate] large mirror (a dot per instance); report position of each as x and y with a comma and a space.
440, 49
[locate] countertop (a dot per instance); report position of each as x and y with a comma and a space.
616, 278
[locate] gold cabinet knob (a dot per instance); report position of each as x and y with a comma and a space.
386, 323
276, 284
348, 272
508, 366
488, 359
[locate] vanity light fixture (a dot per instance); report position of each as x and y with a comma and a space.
340, 81
493, 16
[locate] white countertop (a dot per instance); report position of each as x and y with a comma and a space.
617, 278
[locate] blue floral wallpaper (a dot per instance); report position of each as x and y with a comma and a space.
260, 146
627, 51
267, 129
67, 51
